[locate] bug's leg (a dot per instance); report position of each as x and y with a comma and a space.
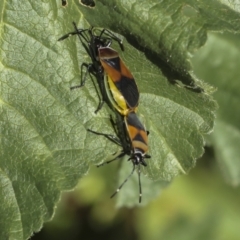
113, 139
114, 124
90, 71
83, 77
99, 106
101, 93
108, 136
119, 156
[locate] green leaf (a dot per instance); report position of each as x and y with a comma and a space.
218, 63
45, 147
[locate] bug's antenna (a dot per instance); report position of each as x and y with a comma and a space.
119, 188
77, 31
80, 32
139, 183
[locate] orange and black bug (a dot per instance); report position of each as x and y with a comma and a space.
133, 138
116, 83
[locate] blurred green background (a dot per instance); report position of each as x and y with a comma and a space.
195, 206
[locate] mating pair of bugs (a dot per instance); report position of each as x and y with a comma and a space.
118, 88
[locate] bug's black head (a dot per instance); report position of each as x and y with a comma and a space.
138, 158
97, 38
95, 41
100, 42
